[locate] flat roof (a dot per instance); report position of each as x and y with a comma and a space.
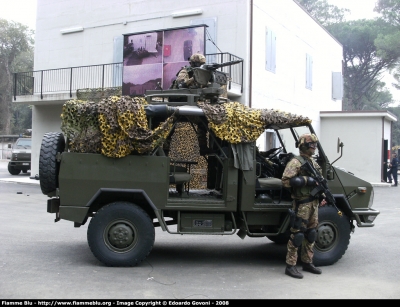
386, 114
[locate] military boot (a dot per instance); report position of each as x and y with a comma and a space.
291, 270
309, 267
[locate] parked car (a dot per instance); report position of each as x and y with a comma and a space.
20, 156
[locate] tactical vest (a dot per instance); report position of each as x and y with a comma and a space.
175, 84
303, 192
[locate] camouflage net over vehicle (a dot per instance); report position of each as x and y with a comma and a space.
236, 123
117, 126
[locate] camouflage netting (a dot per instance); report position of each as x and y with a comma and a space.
185, 147
117, 126
237, 123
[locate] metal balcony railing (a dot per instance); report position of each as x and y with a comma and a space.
69, 80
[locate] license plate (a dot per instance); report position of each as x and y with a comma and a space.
25, 163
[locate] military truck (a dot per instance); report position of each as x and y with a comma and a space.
125, 198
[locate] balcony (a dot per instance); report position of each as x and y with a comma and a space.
64, 83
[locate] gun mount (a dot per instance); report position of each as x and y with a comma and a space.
211, 85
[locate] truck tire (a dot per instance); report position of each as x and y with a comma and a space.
49, 167
12, 170
121, 234
333, 236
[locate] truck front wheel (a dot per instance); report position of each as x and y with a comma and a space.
333, 236
121, 234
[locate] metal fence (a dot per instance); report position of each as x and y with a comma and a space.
69, 80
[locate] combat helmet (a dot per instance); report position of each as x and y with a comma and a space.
306, 139
197, 60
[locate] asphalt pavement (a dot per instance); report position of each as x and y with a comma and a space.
41, 259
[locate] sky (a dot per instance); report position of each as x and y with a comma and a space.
24, 11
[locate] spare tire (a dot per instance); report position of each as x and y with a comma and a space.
49, 167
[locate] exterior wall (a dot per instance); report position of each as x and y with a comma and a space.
45, 118
362, 134
296, 36
104, 20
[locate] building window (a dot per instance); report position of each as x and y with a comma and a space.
337, 86
270, 50
309, 70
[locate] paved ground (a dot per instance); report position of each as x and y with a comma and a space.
40, 259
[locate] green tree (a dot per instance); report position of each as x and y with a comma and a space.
16, 53
324, 12
390, 11
368, 51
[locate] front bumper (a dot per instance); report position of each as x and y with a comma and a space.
22, 165
365, 217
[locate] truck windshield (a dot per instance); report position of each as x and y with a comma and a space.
289, 143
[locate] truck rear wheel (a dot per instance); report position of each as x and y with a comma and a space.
49, 167
12, 170
121, 234
333, 236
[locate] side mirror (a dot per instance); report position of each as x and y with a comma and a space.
339, 148
339, 145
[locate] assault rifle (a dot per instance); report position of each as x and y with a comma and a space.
322, 187
215, 66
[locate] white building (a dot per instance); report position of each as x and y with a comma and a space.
290, 62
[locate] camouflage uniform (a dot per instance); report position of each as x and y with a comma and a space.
184, 78
307, 211
303, 232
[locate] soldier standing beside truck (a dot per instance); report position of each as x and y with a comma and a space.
305, 216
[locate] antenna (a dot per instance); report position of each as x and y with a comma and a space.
209, 39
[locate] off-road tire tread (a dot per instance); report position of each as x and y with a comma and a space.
49, 167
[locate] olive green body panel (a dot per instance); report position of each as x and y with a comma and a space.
74, 214
348, 185
83, 175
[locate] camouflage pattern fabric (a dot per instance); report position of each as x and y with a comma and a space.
307, 138
183, 77
117, 126
197, 58
307, 211
236, 123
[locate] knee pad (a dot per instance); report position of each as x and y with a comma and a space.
297, 239
311, 235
